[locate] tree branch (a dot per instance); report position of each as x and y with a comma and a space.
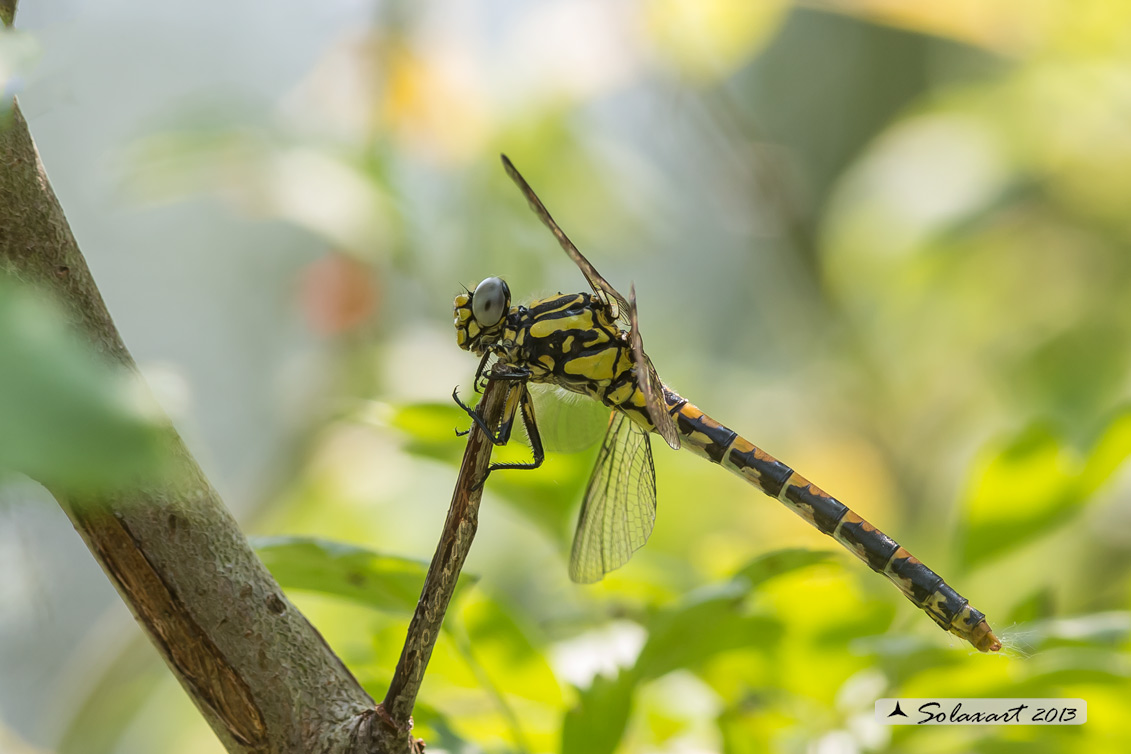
261, 675
444, 570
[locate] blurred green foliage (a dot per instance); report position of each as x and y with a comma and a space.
380, 582
886, 241
69, 419
18, 55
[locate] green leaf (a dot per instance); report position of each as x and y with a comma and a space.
508, 649
1050, 745
597, 723
743, 727
1038, 604
431, 428
902, 657
434, 727
1108, 453
1095, 629
383, 582
429, 421
1021, 491
771, 564
1076, 372
68, 418
867, 618
1062, 666
546, 498
549, 496
706, 622
1035, 483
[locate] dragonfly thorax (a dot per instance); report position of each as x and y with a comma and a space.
570, 340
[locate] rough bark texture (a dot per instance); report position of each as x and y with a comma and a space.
258, 671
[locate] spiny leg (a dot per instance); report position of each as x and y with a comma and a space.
526, 405
517, 399
479, 371
516, 374
475, 417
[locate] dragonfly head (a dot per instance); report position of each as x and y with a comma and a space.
481, 315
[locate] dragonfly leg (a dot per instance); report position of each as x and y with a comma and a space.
517, 397
510, 374
499, 371
521, 402
475, 417
526, 406
479, 376
517, 400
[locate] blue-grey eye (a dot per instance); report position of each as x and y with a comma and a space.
490, 301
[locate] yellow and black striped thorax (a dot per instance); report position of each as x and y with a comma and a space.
569, 340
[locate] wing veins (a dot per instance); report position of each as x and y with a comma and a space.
612, 298
619, 508
649, 381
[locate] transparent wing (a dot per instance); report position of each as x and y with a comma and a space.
620, 503
648, 381
568, 422
600, 286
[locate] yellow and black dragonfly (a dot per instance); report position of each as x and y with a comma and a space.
590, 343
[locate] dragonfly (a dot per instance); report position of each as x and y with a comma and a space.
590, 343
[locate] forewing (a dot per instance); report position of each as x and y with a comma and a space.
648, 381
620, 503
599, 285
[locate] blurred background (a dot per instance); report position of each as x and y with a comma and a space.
886, 241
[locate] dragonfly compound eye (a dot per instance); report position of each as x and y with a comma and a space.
490, 301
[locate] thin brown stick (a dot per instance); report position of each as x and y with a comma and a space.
443, 573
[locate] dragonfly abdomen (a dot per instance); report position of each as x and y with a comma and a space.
926, 589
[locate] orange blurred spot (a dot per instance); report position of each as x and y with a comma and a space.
337, 293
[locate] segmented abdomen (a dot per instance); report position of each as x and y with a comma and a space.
925, 588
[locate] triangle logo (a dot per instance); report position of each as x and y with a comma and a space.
897, 711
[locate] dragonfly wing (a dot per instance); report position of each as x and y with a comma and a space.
568, 422
620, 503
649, 381
600, 286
